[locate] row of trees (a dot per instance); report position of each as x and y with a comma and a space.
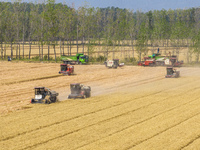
48, 22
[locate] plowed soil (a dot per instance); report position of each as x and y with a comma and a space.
130, 108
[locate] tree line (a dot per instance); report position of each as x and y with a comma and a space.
49, 22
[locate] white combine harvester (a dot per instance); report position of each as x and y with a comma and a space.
114, 63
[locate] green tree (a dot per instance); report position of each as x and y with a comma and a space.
51, 19
142, 40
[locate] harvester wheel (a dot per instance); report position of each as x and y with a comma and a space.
151, 65
47, 101
32, 100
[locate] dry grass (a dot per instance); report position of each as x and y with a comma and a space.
131, 108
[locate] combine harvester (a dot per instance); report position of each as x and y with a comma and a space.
66, 69
79, 58
79, 91
158, 60
44, 95
113, 63
172, 73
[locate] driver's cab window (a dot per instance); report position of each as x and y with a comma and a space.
42, 91
73, 86
63, 68
37, 92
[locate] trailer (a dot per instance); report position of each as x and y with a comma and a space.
79, 58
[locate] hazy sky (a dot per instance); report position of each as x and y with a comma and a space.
144, 5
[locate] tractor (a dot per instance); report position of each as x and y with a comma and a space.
66, 69
172, 73
113, 63
79, 91
44, 95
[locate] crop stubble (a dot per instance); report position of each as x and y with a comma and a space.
137, 108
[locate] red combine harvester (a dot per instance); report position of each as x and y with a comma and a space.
148, 62
66, 69
159, 60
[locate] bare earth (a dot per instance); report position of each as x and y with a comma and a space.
130, 108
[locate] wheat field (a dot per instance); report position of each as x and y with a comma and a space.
130, 108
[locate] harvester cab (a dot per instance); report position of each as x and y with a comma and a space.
172, 73
66, 69
83, 58
79, 91
44, 95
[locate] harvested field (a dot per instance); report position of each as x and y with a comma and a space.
130, 108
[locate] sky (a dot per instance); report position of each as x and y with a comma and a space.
144, 5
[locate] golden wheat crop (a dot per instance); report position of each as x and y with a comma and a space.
130, 108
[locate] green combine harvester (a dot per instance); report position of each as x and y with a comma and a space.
79, 58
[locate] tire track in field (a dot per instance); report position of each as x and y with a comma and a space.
191, 142
10, 137
49, 77
106, 89
24, 68
148, 80
134, 124
86, 81
54, 76
29, 80
106, 120
94, 112
17, 93
163, 130
41, 127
